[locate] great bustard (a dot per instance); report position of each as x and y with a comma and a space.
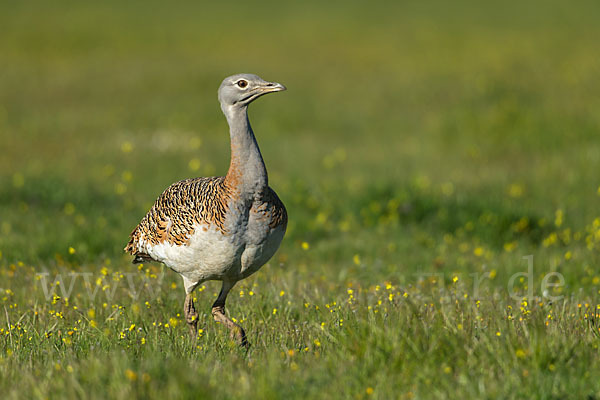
218, 228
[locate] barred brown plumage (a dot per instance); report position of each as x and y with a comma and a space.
274, 210
201, 201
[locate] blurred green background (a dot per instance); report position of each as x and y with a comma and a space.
430, 136
104, 105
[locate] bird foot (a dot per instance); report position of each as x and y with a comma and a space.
236, 332
193, 329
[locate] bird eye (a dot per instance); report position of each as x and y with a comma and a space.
242, 83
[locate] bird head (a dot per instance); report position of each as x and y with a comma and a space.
242, 89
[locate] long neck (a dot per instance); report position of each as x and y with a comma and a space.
247, 172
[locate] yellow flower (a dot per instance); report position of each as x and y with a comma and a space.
305, 246
194, 164
550, 240
356, 259
478, 251
72, 250
510, 246
120, 188
515, 190
127, 176
281, 293
521, 225
274, 311
195, 143
369, 390
455, 279
69, 208
558, 217
126, 147
129, 374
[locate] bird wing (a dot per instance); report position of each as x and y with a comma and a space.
178, 211
274, 208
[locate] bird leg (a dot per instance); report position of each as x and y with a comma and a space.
191, 315
218, 312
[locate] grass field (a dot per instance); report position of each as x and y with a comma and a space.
422, 150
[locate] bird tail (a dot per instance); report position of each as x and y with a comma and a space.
132, 249
140, 258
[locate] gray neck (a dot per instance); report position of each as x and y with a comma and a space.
247, 172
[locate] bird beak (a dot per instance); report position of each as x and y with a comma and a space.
270, 87
264, 88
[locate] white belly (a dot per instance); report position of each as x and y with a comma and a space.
212, 255
209, 254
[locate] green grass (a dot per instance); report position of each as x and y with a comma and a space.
422, 150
